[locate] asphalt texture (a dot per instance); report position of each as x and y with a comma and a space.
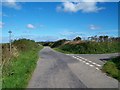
58, 70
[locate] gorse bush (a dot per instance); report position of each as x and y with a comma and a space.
25, 44
58, 43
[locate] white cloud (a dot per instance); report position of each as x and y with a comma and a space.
3, 14
12, 4
1, 25
30, 26
71, 34
93, 27
65, 33
84, 6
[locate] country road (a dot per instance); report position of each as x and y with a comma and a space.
58, 70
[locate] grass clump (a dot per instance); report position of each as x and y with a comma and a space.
112, 67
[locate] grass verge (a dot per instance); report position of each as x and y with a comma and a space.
112, 68
18, 72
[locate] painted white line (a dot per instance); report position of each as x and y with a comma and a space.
97, 68
87, 63
81, 57
83, 61
77, 58
98, 65
91, 65
90, 61
80, 60
73, 56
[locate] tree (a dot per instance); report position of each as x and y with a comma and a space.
101, 38
105, 38
77, 39
58, 43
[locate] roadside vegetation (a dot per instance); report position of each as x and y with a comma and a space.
93, 45
18, 66
90, 47
112, 67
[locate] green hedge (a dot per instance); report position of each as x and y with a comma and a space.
91, 47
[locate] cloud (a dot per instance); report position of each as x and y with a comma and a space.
3, 14
12, 4
93, 27
65, 33
68, 33
71, 34
30, 26
1, 25
83, 6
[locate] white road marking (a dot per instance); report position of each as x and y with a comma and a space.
90, 61
91, 65
79, 59
87, 62
74, 57
98, 65
97, 68
83, 61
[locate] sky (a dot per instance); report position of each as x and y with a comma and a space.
51, 21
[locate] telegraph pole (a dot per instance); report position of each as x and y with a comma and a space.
10, 39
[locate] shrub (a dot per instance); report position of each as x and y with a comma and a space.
58, 43
112, 67
24, 44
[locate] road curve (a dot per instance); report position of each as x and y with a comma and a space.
57, 70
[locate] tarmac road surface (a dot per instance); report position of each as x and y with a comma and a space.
58, 70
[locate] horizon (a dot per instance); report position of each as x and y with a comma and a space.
51, 21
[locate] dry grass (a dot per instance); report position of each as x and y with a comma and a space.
74, 42
6, 55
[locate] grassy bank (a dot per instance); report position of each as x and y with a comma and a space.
17, 72
90, 47
112, 68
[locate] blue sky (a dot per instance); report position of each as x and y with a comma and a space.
49, 21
